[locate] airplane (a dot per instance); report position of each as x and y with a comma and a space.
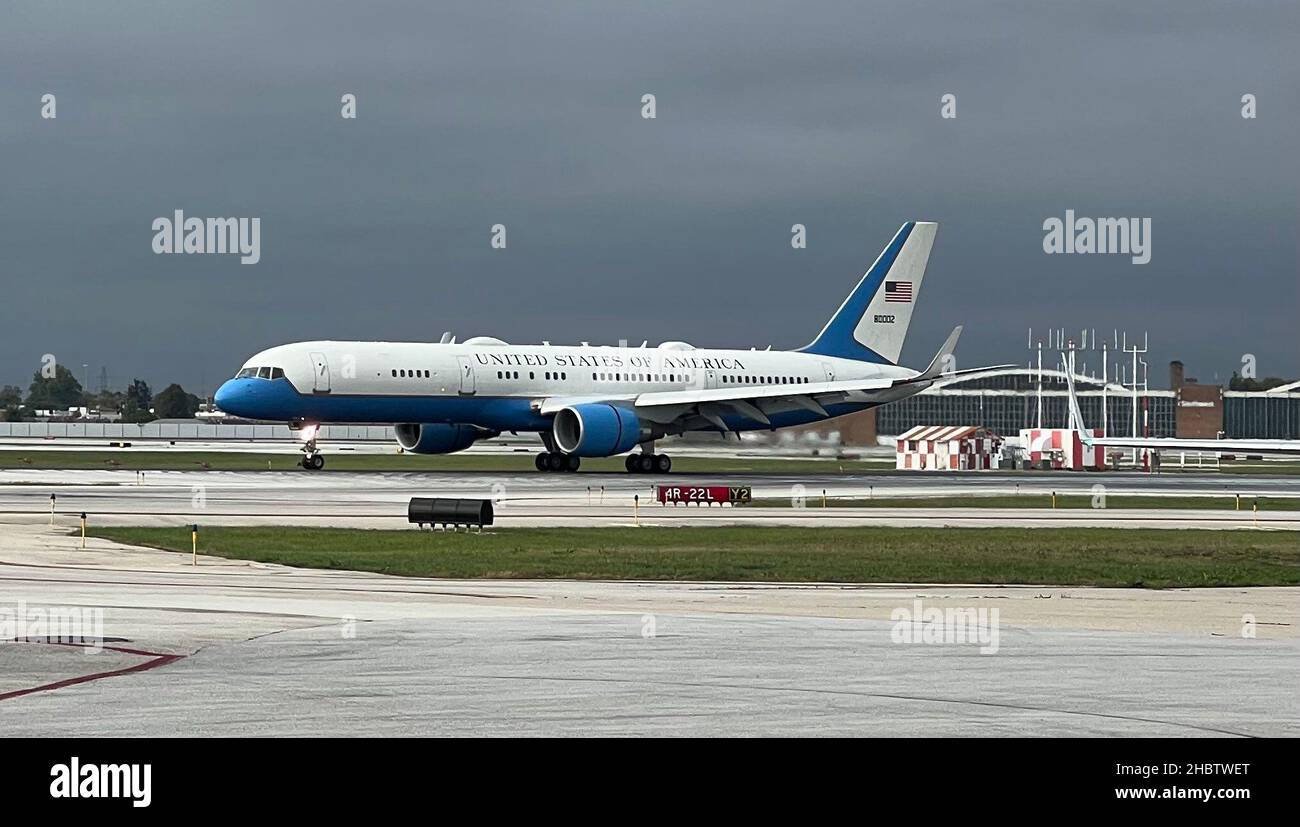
600, 401
1220, 446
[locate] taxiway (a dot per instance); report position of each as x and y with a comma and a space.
378, 499
236, 648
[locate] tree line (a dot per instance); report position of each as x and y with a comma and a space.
62, 391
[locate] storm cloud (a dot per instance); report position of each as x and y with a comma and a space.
619, 227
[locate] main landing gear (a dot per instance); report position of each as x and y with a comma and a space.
556, 461
648, 464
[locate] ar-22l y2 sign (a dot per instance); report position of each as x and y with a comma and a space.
703, 494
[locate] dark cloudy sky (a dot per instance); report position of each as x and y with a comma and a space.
528, 114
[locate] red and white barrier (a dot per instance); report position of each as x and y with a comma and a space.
948, 448
1062, 448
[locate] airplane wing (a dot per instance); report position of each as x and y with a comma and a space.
752, 395
756, 402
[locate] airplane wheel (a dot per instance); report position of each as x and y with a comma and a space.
630, 463
645, 463
573, 462
663, 464
542, 461
558, 462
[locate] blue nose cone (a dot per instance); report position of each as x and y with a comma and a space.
227, 396
252, 398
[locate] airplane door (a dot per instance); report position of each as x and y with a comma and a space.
321, 373
710, 378
830, 371
466, 375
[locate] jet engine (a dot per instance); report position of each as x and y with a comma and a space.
597, 429
438, 438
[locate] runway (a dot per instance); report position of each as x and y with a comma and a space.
378, 499
267, 650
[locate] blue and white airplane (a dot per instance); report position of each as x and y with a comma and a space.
599, 401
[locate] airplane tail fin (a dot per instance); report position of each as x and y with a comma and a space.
872, 323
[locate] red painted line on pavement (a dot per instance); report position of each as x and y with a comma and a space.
158, 660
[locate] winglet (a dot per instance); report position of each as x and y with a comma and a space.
940, 361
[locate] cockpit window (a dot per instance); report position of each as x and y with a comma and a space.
260, 373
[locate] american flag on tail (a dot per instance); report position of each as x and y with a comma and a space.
898, 291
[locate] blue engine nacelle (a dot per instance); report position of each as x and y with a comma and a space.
439, 439
596, 429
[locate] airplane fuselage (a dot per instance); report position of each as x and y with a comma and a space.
589, 401
502, 387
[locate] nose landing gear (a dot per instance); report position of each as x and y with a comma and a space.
312, 459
